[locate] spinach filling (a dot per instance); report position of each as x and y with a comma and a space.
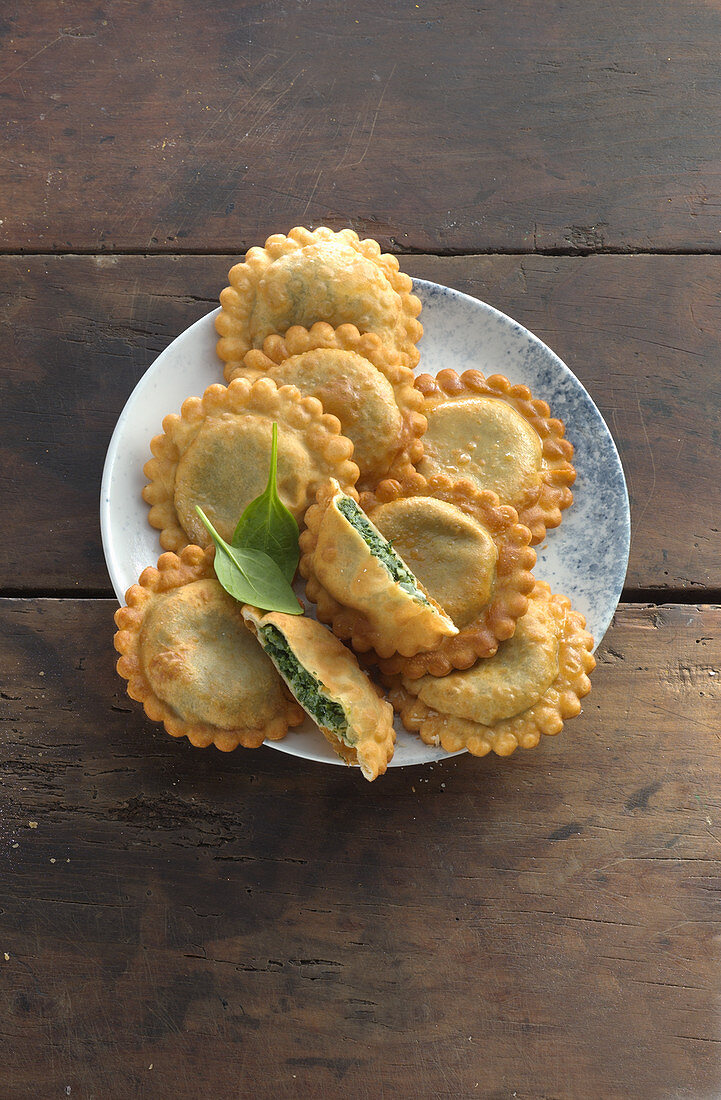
380, 548
307, 689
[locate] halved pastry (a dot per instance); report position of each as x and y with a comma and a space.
470, 554
316, 276
216, 454
535, 681
361, 585
190, 661
356, 378
325, 679
500, 437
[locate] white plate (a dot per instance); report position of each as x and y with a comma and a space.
585, 558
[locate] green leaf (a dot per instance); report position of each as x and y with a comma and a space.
250, 576
267, 525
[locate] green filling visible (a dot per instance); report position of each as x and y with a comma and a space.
307, 689
380, 548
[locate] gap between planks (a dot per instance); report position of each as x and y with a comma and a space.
690, 597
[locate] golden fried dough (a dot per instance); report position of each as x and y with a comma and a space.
502, 439
360, 585
359, 380
316, 276
452, 554
325, 678
534, 682
216, 454
189, 659
470, 554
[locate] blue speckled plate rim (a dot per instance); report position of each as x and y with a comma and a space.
623, 530
591, 409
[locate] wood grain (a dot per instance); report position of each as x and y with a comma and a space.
642, 333
177, 923
252, 925
436, 127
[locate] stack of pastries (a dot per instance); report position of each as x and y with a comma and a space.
419, 501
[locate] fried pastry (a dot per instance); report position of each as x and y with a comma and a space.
190, 661
326, 680
216, 453
361, 585
359, 380
470, 554
535, 681
316, 276
503, 439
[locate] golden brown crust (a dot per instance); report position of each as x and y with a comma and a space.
317, 275
199, 457
559, 701
355, 593
377, 453
494, 622
370, 717
540, 511
176, 572
512, 577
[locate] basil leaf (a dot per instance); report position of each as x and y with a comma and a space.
267, 525
250, 576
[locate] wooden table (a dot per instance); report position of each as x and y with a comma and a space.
176, 923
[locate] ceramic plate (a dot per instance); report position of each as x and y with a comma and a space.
585, 558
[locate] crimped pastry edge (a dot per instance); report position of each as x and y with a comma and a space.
514, 579
238, 298
387, 360
561, 701
347, 623
176, 571
374, 750
479, 639
285, 404
557, 473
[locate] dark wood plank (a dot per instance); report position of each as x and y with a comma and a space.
435, 126
249, 925
642, 333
